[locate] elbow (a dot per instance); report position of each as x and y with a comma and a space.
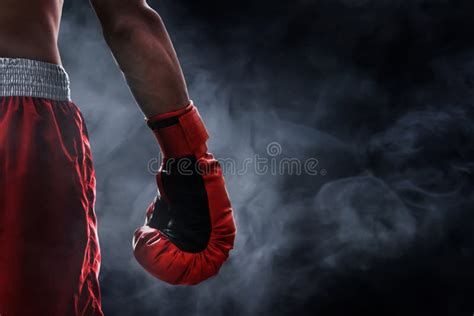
121, 27
121, 30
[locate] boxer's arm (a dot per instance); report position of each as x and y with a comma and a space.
140, 43
190, 227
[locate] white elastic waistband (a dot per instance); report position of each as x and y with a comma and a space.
32, 78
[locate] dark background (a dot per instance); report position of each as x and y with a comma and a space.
380, 92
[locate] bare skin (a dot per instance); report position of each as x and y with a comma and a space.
29, 29
141, 45
134, 32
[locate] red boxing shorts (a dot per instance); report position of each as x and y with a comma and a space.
49, 250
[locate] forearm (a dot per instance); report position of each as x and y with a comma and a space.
141, 46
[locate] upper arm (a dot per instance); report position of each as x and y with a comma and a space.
131, 20
114, 12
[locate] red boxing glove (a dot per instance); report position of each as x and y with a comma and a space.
190, 228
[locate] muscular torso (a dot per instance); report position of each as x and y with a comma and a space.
29, 29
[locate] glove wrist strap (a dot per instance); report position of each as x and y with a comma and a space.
180, 133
